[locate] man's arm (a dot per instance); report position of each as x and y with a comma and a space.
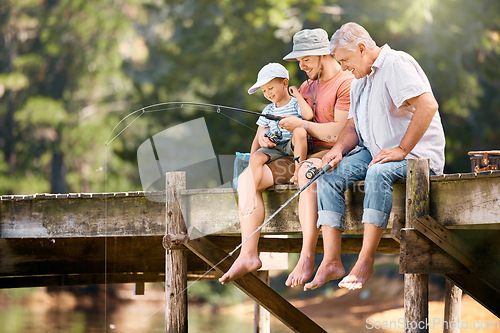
327, 132
425, 107
348, 139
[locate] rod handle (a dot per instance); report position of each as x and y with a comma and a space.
272, 117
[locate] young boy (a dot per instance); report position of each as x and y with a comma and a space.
273, 81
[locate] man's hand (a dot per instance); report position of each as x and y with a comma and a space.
389, 154
264, 141
333, 157
291, 122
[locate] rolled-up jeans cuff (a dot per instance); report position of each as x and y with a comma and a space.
375, 217
331, 219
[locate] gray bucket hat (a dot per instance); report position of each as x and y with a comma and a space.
267, 73
309, 42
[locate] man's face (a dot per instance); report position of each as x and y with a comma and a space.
310, 65
353, 61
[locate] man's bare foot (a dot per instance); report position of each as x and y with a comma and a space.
327, 271
360, 273
302, 272
241, 266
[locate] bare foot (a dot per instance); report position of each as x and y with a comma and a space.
240, 267
327, 271
360, 273
302, 272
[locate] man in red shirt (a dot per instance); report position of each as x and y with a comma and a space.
327, 92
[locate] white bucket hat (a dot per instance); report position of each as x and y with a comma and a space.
267, 73
309, 42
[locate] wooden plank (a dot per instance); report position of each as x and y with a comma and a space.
458, 201
421, 256
224, 220
79, 217
466, 200
459, 250
254, 288
55, 280
82, 255
416, 286
481, 292
294, 245
176, 320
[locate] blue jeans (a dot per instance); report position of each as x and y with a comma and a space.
378, 179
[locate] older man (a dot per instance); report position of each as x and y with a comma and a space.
393, 117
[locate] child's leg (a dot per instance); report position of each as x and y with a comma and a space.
256, 164
299, 144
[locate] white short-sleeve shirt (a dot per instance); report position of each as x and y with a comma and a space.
382, 114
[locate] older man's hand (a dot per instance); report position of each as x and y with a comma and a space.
389, 154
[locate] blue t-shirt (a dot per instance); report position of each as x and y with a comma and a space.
292, 108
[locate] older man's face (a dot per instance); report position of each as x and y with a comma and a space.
353, 61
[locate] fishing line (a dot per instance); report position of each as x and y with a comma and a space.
151, 108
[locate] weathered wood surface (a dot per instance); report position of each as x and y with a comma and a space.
176, 261
457, 201
452, 307
416, 286
58, 261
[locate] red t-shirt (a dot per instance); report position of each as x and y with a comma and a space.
329, 95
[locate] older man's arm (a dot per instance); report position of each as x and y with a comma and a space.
425, 107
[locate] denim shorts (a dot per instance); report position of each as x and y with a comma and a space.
283, 148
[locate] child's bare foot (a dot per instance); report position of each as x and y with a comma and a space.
327, 271
240, 267
295, 178
302, 272
360, 273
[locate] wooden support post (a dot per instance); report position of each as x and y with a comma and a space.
262, 319
452, 307
416, 286
176, 260
139, 288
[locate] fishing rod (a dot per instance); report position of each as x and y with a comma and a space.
151, 108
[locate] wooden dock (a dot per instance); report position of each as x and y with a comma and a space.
447, 225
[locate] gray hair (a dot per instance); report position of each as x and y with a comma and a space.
349, 36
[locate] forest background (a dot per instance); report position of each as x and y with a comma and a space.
71, 69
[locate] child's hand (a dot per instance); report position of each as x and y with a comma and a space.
294, 91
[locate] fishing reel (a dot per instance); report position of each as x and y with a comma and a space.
312, 169
274, 136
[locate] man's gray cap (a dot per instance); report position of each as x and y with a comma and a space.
309, 42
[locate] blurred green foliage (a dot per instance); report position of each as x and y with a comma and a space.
71, 69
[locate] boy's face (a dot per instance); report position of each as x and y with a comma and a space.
275, 90
310, 65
